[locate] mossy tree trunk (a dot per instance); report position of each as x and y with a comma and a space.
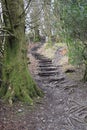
18, 84
85, 74
1, 56
37, 35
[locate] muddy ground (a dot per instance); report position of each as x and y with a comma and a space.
64, 105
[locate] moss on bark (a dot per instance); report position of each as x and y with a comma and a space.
18, 84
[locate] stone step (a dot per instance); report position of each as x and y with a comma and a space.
56, 79
47, 73
45, 60
38, 56
45, 65
47, 68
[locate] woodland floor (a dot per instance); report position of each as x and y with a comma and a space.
64, 105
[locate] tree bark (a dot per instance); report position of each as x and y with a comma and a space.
18, 84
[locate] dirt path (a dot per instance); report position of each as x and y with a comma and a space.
64, 106
65, 102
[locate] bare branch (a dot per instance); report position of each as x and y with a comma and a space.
23, 13
4, 30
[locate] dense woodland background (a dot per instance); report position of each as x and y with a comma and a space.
21, 22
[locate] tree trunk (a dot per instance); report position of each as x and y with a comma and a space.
85, 73
1, 62
18, 84
37, 35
